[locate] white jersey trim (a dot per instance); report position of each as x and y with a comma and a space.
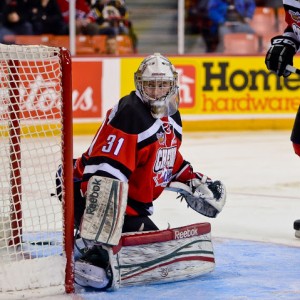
106, 168
154, 128
150, 131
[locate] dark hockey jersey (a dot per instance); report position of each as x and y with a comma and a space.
134, 147
292, 17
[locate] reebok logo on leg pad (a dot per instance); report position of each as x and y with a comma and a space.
105, 208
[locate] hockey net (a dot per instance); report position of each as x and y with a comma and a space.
36, 229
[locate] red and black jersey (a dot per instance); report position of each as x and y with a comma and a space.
295, 136
134, 147
292, 17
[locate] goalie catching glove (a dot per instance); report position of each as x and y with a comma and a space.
204, 196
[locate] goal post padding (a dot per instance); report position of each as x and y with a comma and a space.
35, 138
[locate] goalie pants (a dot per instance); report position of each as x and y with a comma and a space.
138, 223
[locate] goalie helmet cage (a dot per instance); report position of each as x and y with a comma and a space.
36, 229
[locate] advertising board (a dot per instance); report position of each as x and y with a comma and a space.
216, 92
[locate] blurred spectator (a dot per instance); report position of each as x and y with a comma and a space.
110, 15
198, 22
84, 24
231, 16
16, 17
111, 45
46, 17
112, 19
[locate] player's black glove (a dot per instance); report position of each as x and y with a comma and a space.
280, 54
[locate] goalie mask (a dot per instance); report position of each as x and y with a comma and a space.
156, 81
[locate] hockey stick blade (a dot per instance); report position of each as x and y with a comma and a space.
292, 69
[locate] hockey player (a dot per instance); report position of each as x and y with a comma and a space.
295, 138
133, 157
284, 47
280, 54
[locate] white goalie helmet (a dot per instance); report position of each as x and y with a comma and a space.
156, 81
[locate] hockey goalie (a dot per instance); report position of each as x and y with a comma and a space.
132, 159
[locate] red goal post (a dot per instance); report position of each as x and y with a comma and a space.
36, 229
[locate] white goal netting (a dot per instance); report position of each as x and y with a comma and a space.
31, 130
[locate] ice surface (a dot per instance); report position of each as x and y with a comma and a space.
257, 255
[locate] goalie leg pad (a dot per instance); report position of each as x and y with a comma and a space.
149, 257
103, 218
165, 255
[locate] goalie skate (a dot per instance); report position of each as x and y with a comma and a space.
90, 275
92, 268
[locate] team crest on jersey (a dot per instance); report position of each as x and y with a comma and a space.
163, 167
161, 138
295, 15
